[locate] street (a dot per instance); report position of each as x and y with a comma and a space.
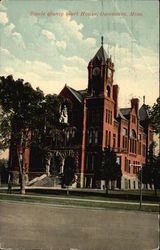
43, 226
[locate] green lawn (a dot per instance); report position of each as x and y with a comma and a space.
82, 201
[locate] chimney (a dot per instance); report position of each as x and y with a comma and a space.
143, 99
115, 98
135, 104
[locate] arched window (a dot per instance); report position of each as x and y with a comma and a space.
133, 133
133, 142
108, 91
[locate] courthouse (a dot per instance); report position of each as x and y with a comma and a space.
92, 121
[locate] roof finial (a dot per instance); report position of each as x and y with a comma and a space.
102, 40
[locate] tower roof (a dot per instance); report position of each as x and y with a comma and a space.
101, 54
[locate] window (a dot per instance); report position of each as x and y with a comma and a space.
108, 91
106, 138
134, 167
139, 148
129, 184
133, 142
139, 144
129, 167
109, 143
114, 140
124, 131
134, 184
126, 164
125, 138
133, 133
108, 116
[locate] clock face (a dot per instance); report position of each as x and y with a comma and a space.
109, 73
96, 71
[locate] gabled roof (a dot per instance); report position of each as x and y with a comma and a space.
143, 113
116, 121
125, 111
101, 55
83, 92
120, 115
76, 94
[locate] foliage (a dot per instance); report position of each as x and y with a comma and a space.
155, 116
26, 117
151, 172
110, 169
68, 176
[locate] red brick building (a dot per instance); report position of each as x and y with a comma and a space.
99, 123
91, 121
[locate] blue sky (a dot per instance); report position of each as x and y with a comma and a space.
49, 51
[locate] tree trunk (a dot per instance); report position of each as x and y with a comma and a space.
23, 183
22, 173
107, 182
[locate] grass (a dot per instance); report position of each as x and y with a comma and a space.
81, 201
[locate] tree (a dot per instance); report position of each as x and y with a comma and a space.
28, 119
110, 169
151, 172
155, 116
21, 113
48, 134
68, 176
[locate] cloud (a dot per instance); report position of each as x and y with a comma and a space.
3, 18
61, 44
17, 37
11, 27
48, 34
4, 51
75, 60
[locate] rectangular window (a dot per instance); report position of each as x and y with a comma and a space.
111, 118
129, 167
108, 116
109, 143
134, 167
106, 138
124, 131
126, 163
129, 184
134, 184
144, 150
114, 140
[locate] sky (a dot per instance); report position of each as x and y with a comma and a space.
45, 46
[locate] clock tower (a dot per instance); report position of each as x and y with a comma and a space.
100, 74
99, 109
